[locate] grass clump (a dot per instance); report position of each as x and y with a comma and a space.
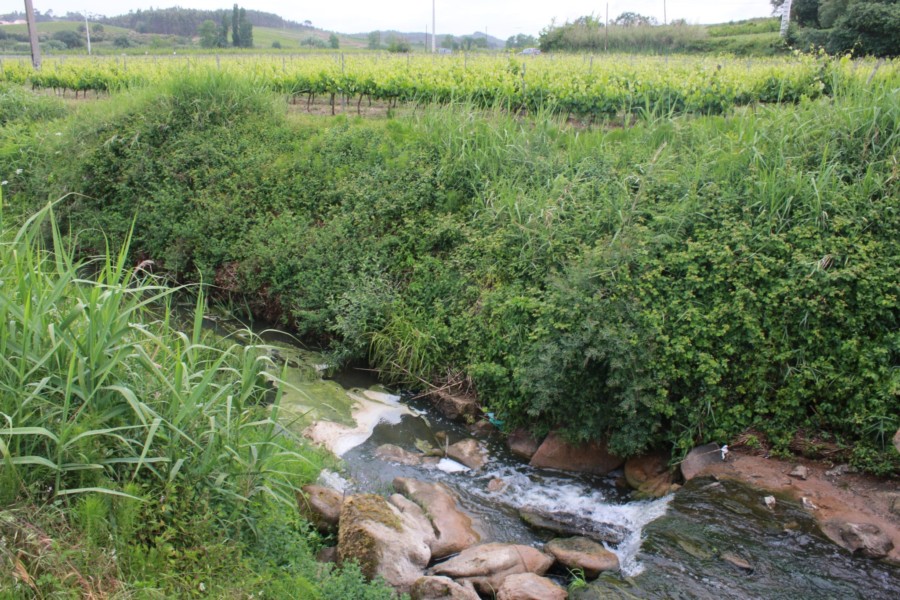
136, 459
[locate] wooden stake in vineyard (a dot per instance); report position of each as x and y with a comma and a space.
33, 35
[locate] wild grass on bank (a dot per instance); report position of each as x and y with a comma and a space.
136, 458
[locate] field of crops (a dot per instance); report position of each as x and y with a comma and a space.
580, 85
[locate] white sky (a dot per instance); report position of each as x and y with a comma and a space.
502, 18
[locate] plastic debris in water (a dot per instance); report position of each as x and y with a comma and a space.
724, 451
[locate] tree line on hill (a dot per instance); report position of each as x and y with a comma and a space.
216, 36
870, 27
188, 21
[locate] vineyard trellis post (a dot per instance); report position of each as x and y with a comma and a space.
33, 35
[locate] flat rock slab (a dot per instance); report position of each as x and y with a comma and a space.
453, 528
529, 586
582, 553
456, 407
486, 566
699, 459
568, 524
441, 588
556, 453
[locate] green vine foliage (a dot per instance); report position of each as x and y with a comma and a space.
677, 281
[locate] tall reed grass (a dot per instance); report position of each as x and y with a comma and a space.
99, 389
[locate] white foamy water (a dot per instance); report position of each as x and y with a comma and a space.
451, 466
558, 495
335, 481
369, 409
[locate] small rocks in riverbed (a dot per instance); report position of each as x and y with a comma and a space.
866, 538
486, 566
770, 502
839, 471
496, 485
396, 454
582, 553
800, 472
649, 474
529, 586
441, 588
737, 561
469, 452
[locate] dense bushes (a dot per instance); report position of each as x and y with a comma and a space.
679, 281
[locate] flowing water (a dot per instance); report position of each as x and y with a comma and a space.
681, 546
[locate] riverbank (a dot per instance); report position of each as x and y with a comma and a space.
833, 494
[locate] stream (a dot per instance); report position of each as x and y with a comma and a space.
676, 547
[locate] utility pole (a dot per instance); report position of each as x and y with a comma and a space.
665, 20
87, 30
785, 17
433, 27
33, 35
606, 43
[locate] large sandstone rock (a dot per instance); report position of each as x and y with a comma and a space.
864, 538
569, 524
523, 444
453, 528
698, 459
392, 539
396, 454
529, 586
649, 474
469, 452
321, 506
441, 588
897, 440
582, 553
556, 453
488, 565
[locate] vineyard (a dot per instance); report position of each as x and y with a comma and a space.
588, 86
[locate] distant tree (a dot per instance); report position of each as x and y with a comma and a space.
333, 42
804, 13
375, 40
276, 44
633, 19
398, 44
70, 38
521, 41
830, 11
235, 27
449, 42
209, 34
246, 30
122, 41
222, 38
868, 27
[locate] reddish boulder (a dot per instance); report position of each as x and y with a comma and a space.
649, 474
321, 506
529, 586
593, 457
522, 443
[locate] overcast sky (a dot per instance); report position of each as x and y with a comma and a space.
502, 18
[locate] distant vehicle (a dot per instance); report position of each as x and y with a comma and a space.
531, 51
445, 51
